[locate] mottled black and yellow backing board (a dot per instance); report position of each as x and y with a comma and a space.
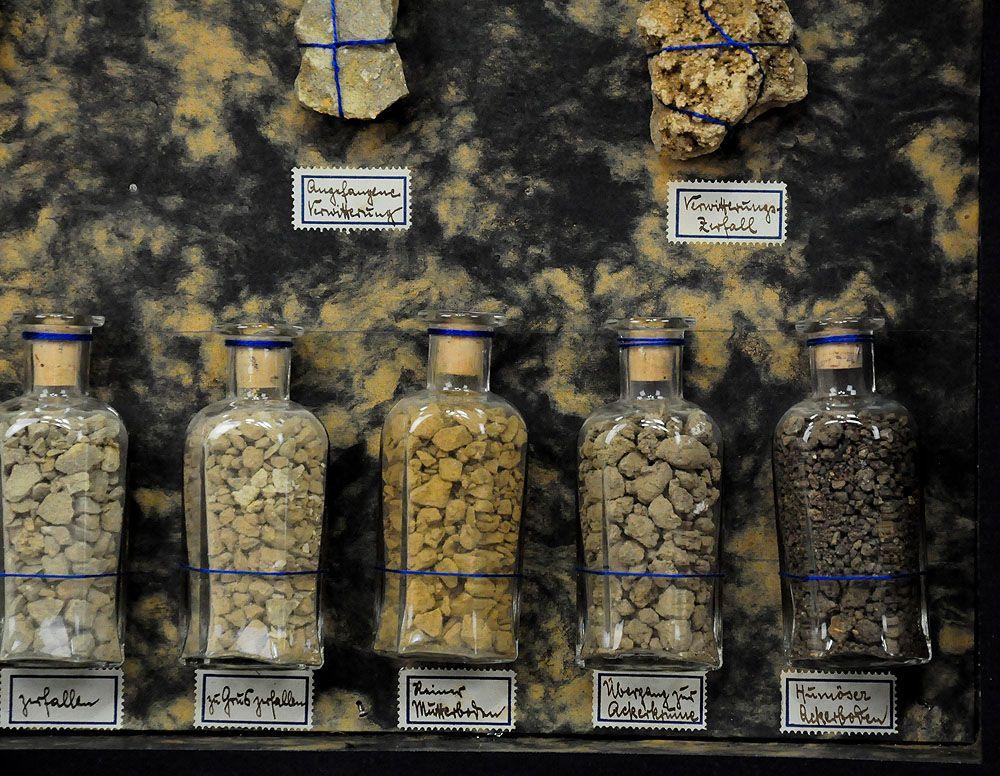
145, 165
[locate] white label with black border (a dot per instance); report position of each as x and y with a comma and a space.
270, 700
344, 198
457, 699
649, 700
817, 702
726, 211
61, 698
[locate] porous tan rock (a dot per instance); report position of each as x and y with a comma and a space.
370, 76
725, 84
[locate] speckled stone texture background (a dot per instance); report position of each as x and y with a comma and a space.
145, 174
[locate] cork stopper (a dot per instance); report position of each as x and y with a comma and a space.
856, 334
839, 355
260, 367
259, 355
460, 355
55, 363
460, 342
649, 364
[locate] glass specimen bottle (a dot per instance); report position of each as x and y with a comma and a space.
453, 482
254, 485
63, 487
649, 480
849, 511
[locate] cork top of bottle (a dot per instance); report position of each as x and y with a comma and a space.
839, 342
642, 323
58, 322
260, 331
260, 361
858, 324
648, 342
57, 345
459, 335
470, 320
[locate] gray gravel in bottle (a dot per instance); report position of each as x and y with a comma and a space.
648, 486
63, 497
264, 487
849, 503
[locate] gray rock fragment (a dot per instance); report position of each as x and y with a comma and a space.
62, 515
665, 524
341, 76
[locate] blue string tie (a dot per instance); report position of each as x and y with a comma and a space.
834, 339
56, 336
263, 344
335, 45
727, 43
651, 574
650, 342
474, 333
851, 577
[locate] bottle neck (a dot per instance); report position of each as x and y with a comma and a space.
842, 369
58, 368
259, 372
459, 363
650, 372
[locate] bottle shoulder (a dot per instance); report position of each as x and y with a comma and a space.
846, 407
649, 412
666, 408
82, 413
650, 417
427, 402
284, 417
425, 412
821, 417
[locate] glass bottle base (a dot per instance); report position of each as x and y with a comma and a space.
854, 663
447, 658
43, 662
642, 661
240, 664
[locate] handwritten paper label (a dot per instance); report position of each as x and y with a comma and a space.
39, 698
456, 699
726, 212
342, 198
859, 703
656, 701
275, 700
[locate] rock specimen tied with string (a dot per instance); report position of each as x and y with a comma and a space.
714, 64
350, 66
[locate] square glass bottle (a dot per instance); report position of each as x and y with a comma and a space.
849, 507
453, 481
650, 478
63, 456
254, 487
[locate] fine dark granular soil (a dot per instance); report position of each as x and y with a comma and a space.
849, 504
